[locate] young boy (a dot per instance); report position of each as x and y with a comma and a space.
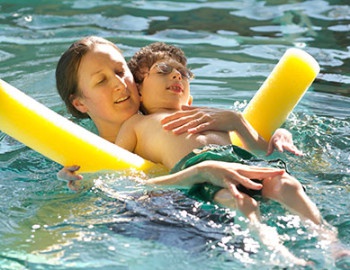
160, 71
163, 81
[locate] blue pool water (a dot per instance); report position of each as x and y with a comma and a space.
232, 47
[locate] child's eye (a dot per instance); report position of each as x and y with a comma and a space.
164, 68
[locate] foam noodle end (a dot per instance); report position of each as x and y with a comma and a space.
280, 93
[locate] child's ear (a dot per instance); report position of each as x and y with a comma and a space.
190, 100
78, 104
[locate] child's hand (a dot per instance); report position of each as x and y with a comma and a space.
69, 174
282, 140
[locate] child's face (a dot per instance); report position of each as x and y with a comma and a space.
108, 91
166, 86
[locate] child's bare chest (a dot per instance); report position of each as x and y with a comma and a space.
165, 147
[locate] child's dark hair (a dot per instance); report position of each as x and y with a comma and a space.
144, 59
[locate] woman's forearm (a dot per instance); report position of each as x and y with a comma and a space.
219, 173
186, 177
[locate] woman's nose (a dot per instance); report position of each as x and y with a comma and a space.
118, 83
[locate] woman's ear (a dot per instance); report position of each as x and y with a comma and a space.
78, 104
190, 100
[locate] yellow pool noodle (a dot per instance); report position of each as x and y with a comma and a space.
280, 93
66, 143
61, 140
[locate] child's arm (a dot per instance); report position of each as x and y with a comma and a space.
127, 137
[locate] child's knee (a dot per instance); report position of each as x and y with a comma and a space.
224, 197
291, 186
281, 186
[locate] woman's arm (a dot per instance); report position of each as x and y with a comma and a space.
219, 173
198, 119
282, 140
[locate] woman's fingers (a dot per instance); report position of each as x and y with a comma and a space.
243, 176
294, 150
68, 173
74, 185
233, 189
246, 182
190, 119
176, 117
182, 123
254, 172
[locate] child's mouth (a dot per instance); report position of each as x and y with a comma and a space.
176, 88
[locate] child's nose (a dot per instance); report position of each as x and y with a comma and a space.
176, 74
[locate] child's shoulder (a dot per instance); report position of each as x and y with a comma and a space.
135, 118
141, 120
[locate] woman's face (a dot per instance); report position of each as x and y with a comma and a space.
108, 93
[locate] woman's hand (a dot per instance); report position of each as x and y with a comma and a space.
198, 119
219, 173
69, 175
230, 175
282, 140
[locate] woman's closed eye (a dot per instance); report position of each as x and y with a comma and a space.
101, 80
120, 73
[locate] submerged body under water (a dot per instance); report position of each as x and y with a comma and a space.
116, 223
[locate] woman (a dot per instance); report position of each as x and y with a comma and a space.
85, 92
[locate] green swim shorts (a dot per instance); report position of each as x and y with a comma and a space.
228, 153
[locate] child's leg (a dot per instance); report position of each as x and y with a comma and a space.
249, 207
288, 191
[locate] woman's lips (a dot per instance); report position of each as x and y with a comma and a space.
122, 99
